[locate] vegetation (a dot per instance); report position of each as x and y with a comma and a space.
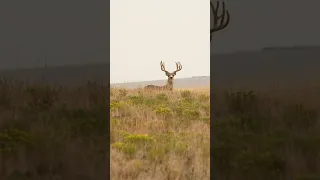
160, 135
53, 132
265, 137
255, 135
61, 133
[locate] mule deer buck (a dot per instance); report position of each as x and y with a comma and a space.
219, 21
169, 85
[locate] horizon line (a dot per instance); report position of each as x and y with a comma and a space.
157, 80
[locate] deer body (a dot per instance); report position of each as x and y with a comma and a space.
165, 87
169, 85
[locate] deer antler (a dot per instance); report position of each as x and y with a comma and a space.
162, 66
219, 21
179, 67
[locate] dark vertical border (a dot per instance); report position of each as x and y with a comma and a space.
44, 28
279, 78
211, 102
219, 20
108, 94
211, 126
211, 120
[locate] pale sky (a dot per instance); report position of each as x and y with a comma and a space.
145, 32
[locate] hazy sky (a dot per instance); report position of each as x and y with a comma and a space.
256, 24
145, 32
59, 32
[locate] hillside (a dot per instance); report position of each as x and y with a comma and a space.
62, 75
193, 82
284, 66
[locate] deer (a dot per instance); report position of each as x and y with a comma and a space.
169, 85
219, 21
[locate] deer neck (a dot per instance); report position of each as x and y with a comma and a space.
169, 84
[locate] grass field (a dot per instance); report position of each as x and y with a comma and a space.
160, 135
274, 135
53, 133
61, 133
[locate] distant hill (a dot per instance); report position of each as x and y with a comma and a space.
273, 65
276, 65
62, 75
193, 82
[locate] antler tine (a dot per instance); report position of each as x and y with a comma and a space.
217, 6
162, 66
224, 18
179, 67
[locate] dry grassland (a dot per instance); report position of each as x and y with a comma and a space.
160, 135
51, 133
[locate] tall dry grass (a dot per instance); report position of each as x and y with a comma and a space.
61, 133
270, 135
160, 135
53, 132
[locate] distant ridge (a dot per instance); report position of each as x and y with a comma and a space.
291, 48
271, 65
62, 75
284, 66
193, 82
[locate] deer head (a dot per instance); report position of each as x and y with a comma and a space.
171, 75
219, 21
169, 85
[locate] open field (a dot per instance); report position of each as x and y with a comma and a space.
203, 89
160, 135
53, 132
269, 135
61, 133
